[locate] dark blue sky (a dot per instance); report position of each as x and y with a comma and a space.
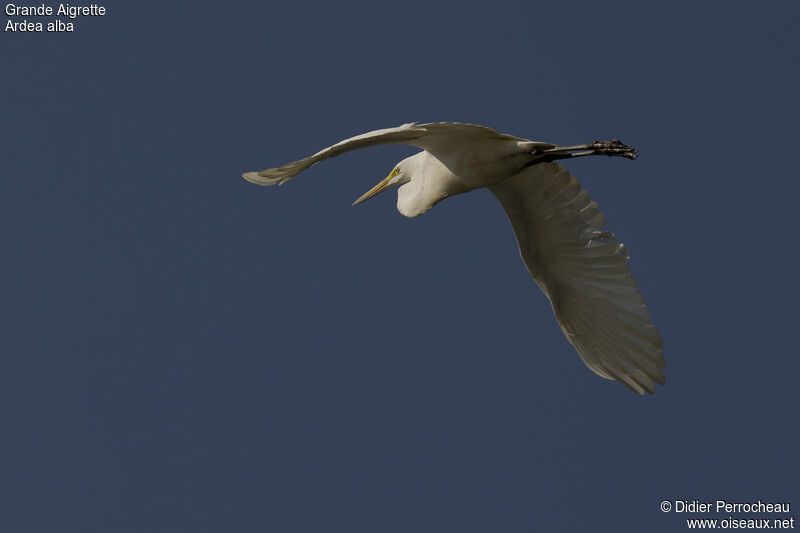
181, 350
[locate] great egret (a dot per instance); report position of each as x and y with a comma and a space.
582, 269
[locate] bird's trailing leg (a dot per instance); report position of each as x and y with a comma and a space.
613, 148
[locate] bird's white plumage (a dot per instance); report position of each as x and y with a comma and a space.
399, 135
582, 269
584, 272
434, 137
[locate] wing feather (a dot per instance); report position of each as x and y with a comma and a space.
399, 135
584, 272
429, 136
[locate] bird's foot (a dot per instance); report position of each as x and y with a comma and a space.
613, 148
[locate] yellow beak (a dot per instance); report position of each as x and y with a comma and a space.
379, 188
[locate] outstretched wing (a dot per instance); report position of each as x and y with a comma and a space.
584, 272
428, 136
399, 135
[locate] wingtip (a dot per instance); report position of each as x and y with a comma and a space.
259, 179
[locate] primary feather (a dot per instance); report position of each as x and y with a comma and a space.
584, 272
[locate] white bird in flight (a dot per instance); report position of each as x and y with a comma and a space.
581, 268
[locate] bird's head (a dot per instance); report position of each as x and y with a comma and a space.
399, 175
424, 181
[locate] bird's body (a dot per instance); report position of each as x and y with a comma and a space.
582, 269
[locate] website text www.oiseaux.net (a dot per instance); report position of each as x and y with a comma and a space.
694, 507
